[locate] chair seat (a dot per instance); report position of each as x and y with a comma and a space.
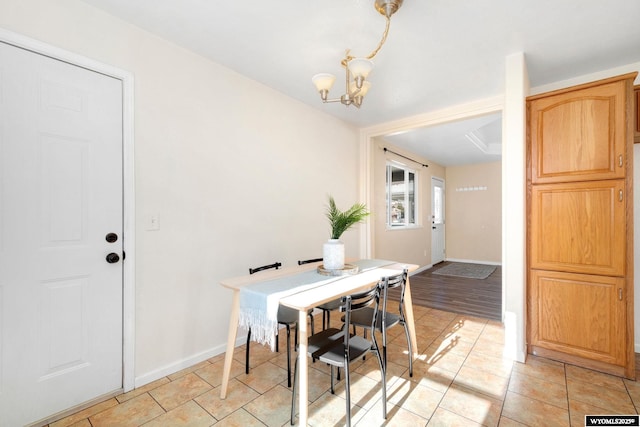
363, 318
335, 354
327, 308
287, 315
318, 342
331, 305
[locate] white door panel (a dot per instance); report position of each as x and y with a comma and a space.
60, 194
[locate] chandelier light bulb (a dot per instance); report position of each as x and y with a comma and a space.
366, 85
323, 81
360, 67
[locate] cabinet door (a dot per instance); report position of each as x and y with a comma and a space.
579, 227
579, 135
578, 314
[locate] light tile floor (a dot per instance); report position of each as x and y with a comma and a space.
460, 379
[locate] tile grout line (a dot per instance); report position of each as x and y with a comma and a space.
508, 380
457, 372
626, 387
566, 386
475, 349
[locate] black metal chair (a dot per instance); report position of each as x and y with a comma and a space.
327, 307
386, 320
286, 316
338, 348
309, 261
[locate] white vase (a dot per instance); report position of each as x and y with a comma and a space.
333, 255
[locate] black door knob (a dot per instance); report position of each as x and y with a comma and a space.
112, 258
111, 237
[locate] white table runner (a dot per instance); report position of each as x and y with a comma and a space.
259, 301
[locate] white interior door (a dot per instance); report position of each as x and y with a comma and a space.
437, 220
60, 195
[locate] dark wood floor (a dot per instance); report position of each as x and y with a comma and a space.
482, 298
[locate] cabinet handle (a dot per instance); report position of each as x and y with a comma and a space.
620, 195
620, 160
620, 294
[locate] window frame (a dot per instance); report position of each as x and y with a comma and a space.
389, 164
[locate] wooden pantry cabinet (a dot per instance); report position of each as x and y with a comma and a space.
580, 225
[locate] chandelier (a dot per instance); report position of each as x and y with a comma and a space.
356, 69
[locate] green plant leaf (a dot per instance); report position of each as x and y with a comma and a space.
342, 221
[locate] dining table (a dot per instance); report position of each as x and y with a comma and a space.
305, 296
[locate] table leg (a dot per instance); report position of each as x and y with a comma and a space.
303, 379
231, 342
408, 305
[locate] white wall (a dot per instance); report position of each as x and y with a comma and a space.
237, 174
474, 212
514, 205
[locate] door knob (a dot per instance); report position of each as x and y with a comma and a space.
111, 237
112, 258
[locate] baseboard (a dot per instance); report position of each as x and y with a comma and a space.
473, 261
421, 269
560, 356
184, 363
172, 368
75, 409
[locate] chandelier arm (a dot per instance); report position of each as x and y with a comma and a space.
384, 39
347, 75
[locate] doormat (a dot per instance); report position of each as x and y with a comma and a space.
470, 271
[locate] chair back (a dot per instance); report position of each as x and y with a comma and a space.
391, 282
275, 265
309, 261
358, 301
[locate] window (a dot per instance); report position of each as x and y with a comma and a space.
438, 209
401, 196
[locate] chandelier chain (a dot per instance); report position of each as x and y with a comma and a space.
384, 39
377, 49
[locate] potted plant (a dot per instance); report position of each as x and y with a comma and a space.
333, 249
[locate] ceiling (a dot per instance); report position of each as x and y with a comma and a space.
469, 141
439, 53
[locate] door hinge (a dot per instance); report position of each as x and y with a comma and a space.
620, 294
620, 195
620, 163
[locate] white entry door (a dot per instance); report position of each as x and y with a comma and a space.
61, 222
437, 220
